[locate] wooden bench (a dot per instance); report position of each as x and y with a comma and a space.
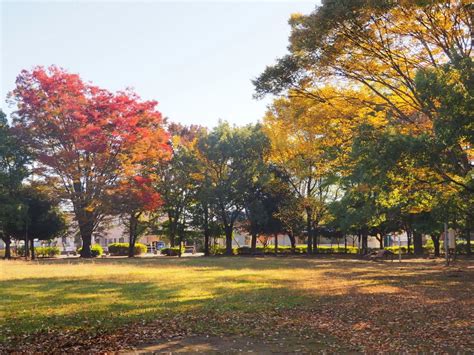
381, 254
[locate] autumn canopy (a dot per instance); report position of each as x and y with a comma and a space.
87, 140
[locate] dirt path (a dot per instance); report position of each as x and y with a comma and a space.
228, 345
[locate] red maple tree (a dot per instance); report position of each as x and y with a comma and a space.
85, 138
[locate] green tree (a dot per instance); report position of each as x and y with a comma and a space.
234, 158
14, 158
40, 218
261, 210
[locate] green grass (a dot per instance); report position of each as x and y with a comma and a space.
56, 295
107, 294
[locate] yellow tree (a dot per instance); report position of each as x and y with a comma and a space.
378, 44
387, 47
415, 57
310, 142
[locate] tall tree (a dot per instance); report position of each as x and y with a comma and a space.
81, 135
177, 183
310, 140
234, 158
396, 50
261, 212
14, 158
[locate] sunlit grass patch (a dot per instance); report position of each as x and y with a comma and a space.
223, 295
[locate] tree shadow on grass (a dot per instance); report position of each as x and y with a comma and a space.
245, 305
36, 304
421, 279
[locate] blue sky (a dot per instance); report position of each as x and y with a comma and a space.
195, 58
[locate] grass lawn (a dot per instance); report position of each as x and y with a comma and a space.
289, 304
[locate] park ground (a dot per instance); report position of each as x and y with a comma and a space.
270, 304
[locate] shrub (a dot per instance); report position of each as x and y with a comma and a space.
301, 249
122, 248
244, 251
282, 249
174, 251
218, 250
429, 245
352, 250
96, 250
324, 250
47, 252
266, 250
20, 251
41, 252
462, 248
395, 249
285, 251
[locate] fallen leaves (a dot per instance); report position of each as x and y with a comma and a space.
428, 312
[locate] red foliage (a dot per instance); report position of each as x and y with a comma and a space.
89, 138
138, 193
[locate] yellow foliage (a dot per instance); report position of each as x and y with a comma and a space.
305, 132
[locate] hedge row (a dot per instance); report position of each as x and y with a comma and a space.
269, 250
395, 249
116, 249
41, 252
461, 248
47, 252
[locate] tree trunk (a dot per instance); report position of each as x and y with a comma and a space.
228, 239
468, 237
32, 248
172, 232
436, 245
86, 246
315, 242
380, 239
131, 246
409, 234
365, 248
276, 243
292, 241
359, 245
27, 245
180, 246
253, 243
309, 230
86, 221
8, 250
418, 243
206, 242
206, 231
86, 228
132, 235
182, 237
345, 244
